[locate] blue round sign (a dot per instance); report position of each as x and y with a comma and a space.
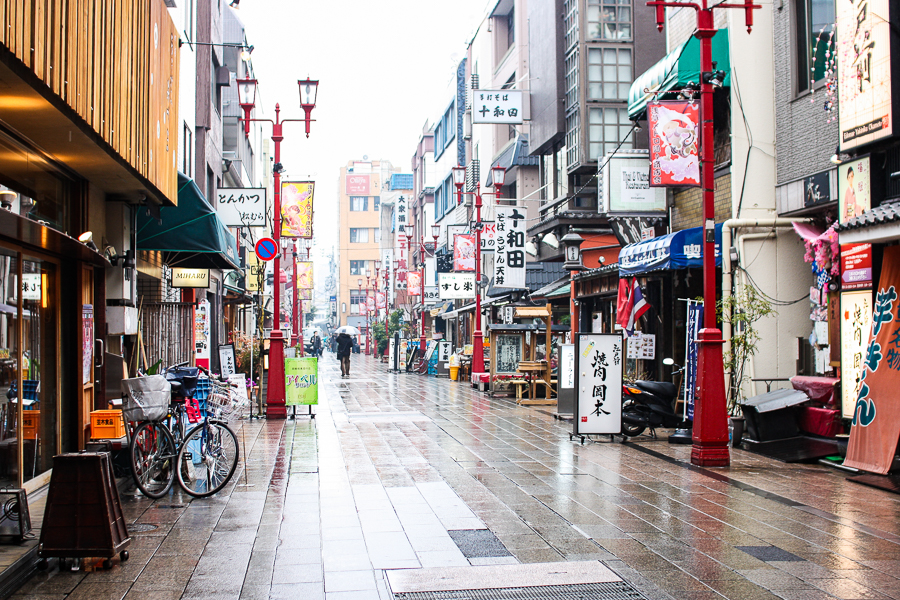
266, 249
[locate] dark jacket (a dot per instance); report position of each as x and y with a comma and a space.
316, 342
344, 345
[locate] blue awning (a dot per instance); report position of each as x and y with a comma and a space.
680, 250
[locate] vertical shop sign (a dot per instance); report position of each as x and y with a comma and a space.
856, 321
301, 381
599, 369
463, 252
87, 342
226, 360
305, 275
875, 423
401, 213
297, 209
694, 325
488, 236
674, 144
509, 256
201, 334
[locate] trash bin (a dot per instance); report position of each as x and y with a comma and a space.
454, 373
773, 415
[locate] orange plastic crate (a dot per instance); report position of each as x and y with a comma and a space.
107, 425
31, 423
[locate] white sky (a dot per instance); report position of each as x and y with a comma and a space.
384, 69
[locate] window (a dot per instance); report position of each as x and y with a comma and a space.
377, 235
376, 203
359, 203
444, 131
609, 19
357, 267
186, 151
570, 9
510, 28
609, 73
572, 133
214, 87
359, 235
606, 128
572, 80
814, 22
357, 302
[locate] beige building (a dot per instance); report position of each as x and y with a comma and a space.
359, 232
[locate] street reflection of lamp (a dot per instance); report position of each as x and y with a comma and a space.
572, 244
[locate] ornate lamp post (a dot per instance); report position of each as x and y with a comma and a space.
459, 180
498, 178
572, 243
710, 433
359, 283
275, 393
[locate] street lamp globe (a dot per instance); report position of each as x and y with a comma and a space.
459, 176
377, 265
308, 90
498, 176
247, 99
435, 232
359, 282
572, 243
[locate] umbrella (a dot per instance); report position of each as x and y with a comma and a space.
348, 329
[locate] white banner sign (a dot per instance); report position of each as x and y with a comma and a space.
401, 213
31, 286
500, 106
567, 366
488, 236
432, 296
509, 258
241, 207
456, 285
599, 367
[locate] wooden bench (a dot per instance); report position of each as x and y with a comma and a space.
521, 385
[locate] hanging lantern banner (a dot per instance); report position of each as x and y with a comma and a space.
379, 300
509, 256
674, 144
370, 304
305, 275
305, 294
414, 283
464, 252
876, 413
297, 209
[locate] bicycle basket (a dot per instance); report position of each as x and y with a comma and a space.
145, 398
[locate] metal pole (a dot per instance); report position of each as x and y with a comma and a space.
275, 407
296, 298
477, 341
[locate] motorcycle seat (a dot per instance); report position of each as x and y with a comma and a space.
661, 389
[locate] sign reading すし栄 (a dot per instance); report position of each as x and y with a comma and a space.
599, 365
241, 207
509, 255
456, 285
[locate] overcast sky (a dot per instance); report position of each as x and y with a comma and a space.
384, 68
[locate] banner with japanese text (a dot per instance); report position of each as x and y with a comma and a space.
297, 209
488, 236
456, 285
856, 322
464, 252
599, 370
876, 413
509, 253
674, 143
301, 381
414, 283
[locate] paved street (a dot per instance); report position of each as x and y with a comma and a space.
397, 471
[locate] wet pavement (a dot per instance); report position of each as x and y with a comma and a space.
400, 472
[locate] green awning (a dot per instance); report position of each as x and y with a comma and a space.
560, 292
190, 234
675, 70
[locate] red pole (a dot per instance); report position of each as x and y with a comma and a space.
477, 340
573, 308
387, 310
422, 300
296, 298
275, 407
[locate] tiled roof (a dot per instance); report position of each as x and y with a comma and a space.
886, 213
537, 275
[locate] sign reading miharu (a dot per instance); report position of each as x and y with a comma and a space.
876, 415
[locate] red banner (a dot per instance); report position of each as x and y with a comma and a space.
876, 416
379, 300
463, 252
674, 144
414, 283
856, 266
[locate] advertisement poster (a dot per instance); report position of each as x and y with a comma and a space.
201, 334
456, 285
509, 256
414, 283
305, 275
854, 189
370, 305
864, 71
87, 341
674, 144
305, 294
357, 185
241, 207
856, 322
875, 411
599, 370
301, 381
856, 266
297, 209
464, 252
624, 186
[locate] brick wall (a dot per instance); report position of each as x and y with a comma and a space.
687, 211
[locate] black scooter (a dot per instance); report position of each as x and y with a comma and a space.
651, 404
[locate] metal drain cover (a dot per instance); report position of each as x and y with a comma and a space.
616, 590
141, 527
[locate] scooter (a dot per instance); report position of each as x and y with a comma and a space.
650, 404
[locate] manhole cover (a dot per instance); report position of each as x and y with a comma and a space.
478, 543
142, 527
769, 553
618, 590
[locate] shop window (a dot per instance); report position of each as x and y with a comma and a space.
814, 22
376, 203
357, 267
357, 302
609, 19
377, 233
609, 73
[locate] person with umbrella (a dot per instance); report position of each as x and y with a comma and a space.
344, 347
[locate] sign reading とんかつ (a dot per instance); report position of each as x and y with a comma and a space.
509, 256
599, 367
241, 207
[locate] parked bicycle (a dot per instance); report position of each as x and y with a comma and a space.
206, 455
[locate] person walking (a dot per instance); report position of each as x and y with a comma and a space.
317, 345
344, 347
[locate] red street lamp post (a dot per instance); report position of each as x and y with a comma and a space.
275, 392
375, 316
387, 313
359, 283
368, 329
710, 432
296, 291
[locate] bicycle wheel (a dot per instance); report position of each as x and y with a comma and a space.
152, 458
207, 459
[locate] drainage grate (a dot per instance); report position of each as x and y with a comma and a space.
141, 527
478, 543
617, 590
769, 553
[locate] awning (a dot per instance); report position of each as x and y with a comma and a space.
190, 234
440, 310
675, 70
679, 250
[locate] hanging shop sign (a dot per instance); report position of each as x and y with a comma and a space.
201, 334
599, 368
864, 71
297, 209
875, 424
674, 144
401, 213
432, 295
856, 321
509, 256
414, 283
817, 189
856, 266
357, 185
87, 343
241, 207
624, 186
854, 188
226, 360
456, 285
488, 236
305, 275
464, 252
497, 106
190, 278
301, 381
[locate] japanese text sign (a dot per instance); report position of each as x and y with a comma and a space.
431, 294
226, 360
488, 236
599, 366
856, 266
456, 285
875, 423
301, 381
401, 214
864, 71
241, 207
31, 286
674, 144
509, 257
297, 209
414, 283
500, 106
357, 185
856, 320
464, 252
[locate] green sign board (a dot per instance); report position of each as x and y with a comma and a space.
301, 381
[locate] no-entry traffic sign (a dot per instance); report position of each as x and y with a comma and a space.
266, 249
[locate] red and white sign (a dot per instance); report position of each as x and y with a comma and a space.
414, 283
488, 236
379, 300
856, 266
464, 252
357, 185
674, 144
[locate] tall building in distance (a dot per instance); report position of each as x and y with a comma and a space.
360, 185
